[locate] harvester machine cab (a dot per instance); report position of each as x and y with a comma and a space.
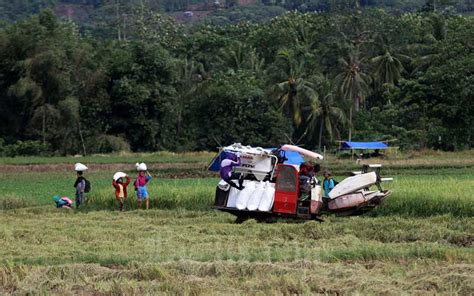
286, 189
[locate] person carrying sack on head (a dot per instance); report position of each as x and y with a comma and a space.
140, 184
120, 188
82, 185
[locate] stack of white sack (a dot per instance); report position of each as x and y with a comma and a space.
255, 196
237, 147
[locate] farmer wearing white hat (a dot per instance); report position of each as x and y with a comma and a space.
140, 183
120, 187
81, 184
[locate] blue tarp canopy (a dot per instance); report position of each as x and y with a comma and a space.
363, 145
293, 157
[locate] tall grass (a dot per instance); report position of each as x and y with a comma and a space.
122, 157
413, 195
427, 195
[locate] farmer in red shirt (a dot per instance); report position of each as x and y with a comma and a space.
120, 188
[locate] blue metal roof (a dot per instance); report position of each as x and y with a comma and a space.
363, 145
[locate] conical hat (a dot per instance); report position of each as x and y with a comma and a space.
79, 167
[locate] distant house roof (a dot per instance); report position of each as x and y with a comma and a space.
363, 145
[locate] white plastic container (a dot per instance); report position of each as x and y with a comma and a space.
266, 203
254, 200
245, 195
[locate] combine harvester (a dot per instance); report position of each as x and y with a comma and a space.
274, 186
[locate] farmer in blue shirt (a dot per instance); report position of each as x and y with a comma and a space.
328, 183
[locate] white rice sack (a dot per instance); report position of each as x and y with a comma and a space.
266, 203
223, 185
232, 199
79, 167
244, 195
141, 166
119, 175
254, 200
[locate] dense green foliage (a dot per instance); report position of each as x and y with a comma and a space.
314, 77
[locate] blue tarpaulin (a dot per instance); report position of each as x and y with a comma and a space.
363, 145
293, 157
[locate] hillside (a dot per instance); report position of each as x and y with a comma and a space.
87, 12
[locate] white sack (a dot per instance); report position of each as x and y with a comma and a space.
119, 175
266, 203
244, 195
79, 167
232, 199
141, 166
223, 185
254, 200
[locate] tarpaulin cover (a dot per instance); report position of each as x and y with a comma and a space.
363, 145
215, 165
293, 158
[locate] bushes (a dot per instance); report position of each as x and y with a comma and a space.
24, 148
108, 144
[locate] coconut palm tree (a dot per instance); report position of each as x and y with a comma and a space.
388, 65
295, 87
190, 77
353, 84
428, 53
323, 110
388, 68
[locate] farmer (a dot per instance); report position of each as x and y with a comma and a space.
80, 186
227, 174
62, 202
328, 183
120, 188
140, 183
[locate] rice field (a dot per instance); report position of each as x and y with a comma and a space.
419, 242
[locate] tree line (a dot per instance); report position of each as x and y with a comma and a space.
310, 78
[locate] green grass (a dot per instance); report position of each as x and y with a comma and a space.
414, 195
420, 241
204, 252
123, 157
